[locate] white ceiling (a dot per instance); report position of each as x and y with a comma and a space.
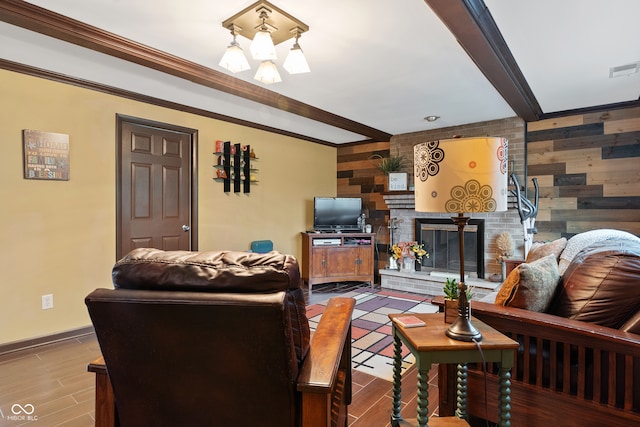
385, 64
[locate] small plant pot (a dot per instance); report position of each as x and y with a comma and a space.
450, 310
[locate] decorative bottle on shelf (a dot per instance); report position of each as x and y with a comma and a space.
362, 222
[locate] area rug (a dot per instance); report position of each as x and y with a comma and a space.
372, 343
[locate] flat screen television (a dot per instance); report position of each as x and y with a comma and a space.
336, 213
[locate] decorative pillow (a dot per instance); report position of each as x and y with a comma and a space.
530, 285
587, 238
602, 284
540, 250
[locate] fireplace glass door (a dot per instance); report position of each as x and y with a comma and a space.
441, 241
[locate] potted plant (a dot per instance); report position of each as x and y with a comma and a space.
451, 293
392, 167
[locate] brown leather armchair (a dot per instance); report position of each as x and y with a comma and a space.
217, 339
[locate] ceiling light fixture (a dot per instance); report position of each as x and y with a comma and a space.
267, 26
268, 73
234, 59
431, 118
262, 47
296, 63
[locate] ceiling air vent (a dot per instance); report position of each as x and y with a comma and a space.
624, 70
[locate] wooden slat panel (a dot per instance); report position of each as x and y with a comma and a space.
575, 227
567, 132
547, 169
596, 141
566, 368
621, 152
545, 236
570, 179
581, 374
356, 164
545, 182
555, 123
599, 165
597, 375
539, 147
558, 203
582, 155
624, 176
526, 363
583, 192
611, 216
539, 362
552, 227
611, 379
620, 190
553, 365
609, 203
628, 384
610, 115
621, 126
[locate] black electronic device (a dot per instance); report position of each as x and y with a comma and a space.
335, 214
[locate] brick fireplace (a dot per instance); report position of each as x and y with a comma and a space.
401, 206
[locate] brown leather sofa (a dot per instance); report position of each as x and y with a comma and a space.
579, 362
217, 338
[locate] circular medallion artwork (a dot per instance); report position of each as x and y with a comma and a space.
427, 157
473, 197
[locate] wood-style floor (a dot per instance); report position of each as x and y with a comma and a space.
54, 380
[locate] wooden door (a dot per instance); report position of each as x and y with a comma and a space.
156, 187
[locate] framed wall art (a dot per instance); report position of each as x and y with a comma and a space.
46, 155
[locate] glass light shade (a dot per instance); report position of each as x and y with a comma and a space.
296, 63
234, 59
461, 175
262, 47
267, 73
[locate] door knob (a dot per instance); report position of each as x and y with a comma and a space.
186, 228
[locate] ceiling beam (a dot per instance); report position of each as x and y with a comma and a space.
473, 26
43, 21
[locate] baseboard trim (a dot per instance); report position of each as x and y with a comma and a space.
44, 340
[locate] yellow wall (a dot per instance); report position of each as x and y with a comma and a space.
58, 237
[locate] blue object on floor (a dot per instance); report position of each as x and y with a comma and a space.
261, 246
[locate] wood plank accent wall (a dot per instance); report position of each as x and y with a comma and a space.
358, 176
588, 170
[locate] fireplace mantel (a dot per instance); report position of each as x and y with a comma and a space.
400, 200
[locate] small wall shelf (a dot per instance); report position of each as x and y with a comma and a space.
233, 166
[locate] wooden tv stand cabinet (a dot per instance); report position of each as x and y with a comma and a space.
337, 257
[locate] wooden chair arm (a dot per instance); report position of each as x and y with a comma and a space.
552, 327
329, 341
325, 378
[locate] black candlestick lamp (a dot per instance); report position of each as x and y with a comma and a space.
457, 176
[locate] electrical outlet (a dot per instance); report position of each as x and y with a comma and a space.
47, 301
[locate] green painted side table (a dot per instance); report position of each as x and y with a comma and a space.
430, 345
